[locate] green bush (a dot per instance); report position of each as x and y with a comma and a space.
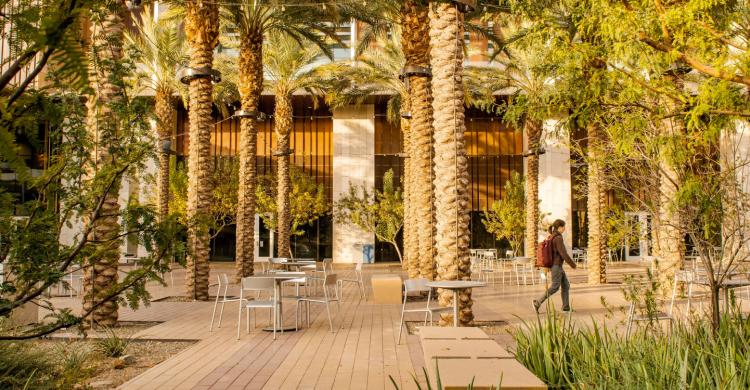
690, 357
112, 345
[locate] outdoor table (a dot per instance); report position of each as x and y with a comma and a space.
298, 264
730, 284
278, 278
727, 285
455, 285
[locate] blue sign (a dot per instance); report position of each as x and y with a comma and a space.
368, 253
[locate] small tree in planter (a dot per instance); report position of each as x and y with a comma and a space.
506, 218
378, 212
307, 201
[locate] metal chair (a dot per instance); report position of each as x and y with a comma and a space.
221, 298
418, 286
322, 269
358, 280
257, 284
523, 266
634, 317
328, 296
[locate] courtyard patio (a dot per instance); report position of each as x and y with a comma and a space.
362, 353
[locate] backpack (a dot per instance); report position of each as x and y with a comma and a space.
545, 253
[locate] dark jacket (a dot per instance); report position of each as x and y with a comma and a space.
560, 253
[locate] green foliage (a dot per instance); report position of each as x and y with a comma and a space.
506, 219
112, 345
23, 367
378, 212
565, 356
224, 182
307, 200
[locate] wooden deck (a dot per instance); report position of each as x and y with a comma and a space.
361, 354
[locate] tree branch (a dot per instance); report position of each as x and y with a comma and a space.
694, 62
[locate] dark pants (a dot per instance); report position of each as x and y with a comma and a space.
558, 279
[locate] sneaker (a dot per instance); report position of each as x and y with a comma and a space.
536, 306
567, 310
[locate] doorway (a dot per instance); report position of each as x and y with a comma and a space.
638, 243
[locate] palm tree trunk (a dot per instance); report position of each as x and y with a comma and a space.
596, 207
165, 122
416, 46
250, 87
202, 32
411, 240
533, 128
283, 126
107, 29
451, 163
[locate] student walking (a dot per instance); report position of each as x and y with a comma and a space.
559, 279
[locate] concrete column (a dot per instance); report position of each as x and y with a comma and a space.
353, 162
555, 187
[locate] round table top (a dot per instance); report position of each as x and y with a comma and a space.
281, 275
455, 284
735, 283
298, 263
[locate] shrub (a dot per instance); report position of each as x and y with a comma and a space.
23, 367
691, 356
112, 345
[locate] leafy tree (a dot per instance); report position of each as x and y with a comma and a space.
75, 188
223, 183
506, 218
377, 212
307, 200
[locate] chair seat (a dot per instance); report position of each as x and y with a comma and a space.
260, 303
655, 316
430, 309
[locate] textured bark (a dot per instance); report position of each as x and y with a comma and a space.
103, 126
411, 239
165, 123
415, 40
533, 128
283, 126
202, 32
596, 207
250, 87
451, 163
670, 235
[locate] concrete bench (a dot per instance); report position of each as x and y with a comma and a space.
465, 355
386, 288
446, 333
486, 374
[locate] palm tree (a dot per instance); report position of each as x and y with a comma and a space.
451, 182
515, 71
202, 32
415, 43
289, 68
107, 29
161, 46
378, 70
253, 20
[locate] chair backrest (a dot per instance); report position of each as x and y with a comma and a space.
328, 263
330, 280
258, 283
358, 267
223, 280
416, 285
279, 260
